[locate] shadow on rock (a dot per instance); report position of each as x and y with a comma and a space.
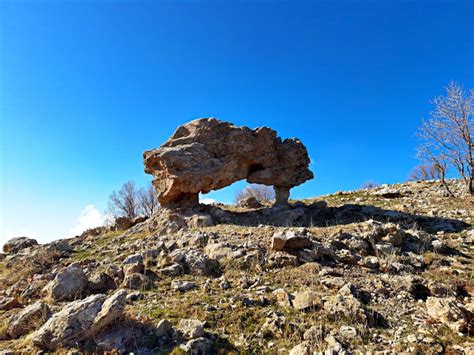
319, 215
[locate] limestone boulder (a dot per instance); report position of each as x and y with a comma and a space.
289, 240
208, 154
80, 320
15, 245
28, 319
69, 284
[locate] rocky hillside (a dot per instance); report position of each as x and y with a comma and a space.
387, 269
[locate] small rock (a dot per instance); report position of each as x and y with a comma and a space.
306, 300
191, 328
282, 297
183, 286
301, 349
136, 281
198, 346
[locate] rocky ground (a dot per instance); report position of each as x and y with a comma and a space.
383, 270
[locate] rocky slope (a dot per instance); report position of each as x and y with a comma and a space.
388, 269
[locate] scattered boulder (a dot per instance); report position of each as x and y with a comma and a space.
250, 202
136, 281
133, 259
123, 223
101, 282
183, 286
69, 284
13, 246
218, 251
301, 349
196, 159
283, 298
80, 320
306, 300
60, 246
347, 306
198, 346
191, 328
387, 192
30, 318
450, 312
289, 240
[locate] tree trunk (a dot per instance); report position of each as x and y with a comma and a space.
446, 186
470, 185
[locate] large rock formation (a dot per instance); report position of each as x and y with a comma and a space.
208, 154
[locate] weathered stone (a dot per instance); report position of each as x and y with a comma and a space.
183, 286
123, 223
198, 346
133, 259
301, 349
250, 202
79, 320
218, 251
289, 240
208, 154
172, 270
101, 282
60, 246
347, 306
30, 318
191, 328
306, 300
136, 281
315, 333
68, 284
282, 297
450, 312
15, 245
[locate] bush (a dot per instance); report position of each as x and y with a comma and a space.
263, 193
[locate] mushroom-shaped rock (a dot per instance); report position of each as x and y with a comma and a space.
208, 154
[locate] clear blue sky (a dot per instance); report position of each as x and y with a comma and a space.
86, 86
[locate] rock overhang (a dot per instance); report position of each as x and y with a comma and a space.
208, 154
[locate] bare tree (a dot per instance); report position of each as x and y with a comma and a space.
428, 171
148, 202
262, 193
124, 202
447, 135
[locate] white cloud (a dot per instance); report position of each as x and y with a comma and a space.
207, 201
90, 217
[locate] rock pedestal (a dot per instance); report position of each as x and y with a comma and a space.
208, 154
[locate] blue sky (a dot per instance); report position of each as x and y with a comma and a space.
86, 86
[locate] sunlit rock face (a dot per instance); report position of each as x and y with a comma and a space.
209, 154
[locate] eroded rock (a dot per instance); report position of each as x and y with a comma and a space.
68, 285
208, 154
80, 320
28, 319
15, 245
